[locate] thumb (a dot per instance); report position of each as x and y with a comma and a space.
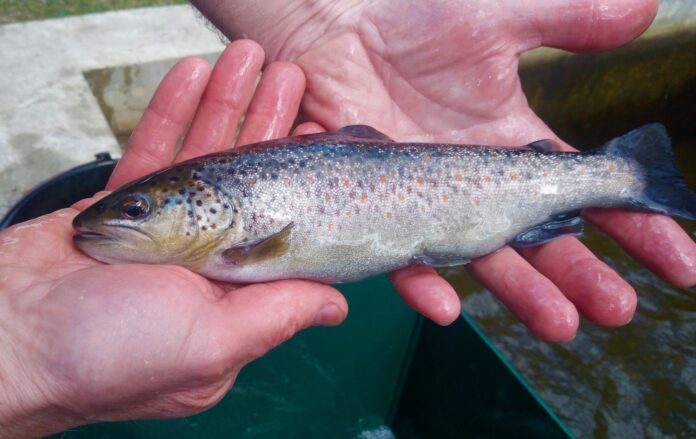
260, 317
588, 25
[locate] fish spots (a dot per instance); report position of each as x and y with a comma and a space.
458, 177
419, 180
545, 173
611, 167
330, 226
382, 179
212, 210
402, 197
389, 215
514, 176
199, 203
345, 182
327, 198
251, 182
487, 179
444, 197
364, 197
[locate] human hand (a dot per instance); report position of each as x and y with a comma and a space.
84, 342
446, 71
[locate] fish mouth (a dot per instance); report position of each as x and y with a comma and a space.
92, 236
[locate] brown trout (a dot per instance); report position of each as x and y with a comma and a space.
342, 206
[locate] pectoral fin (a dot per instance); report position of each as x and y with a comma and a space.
265, 248
564, 224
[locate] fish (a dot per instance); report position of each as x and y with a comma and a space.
346, 205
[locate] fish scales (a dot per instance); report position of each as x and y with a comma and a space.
338, 207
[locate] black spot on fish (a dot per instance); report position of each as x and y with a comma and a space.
179, 201
173, 179
213, 211
182, 191
153, 183
213, 226
198, 217
199, 203
190, 213
225, 206
204, 228
100, 207
274, 176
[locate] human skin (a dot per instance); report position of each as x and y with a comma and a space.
446, 71
82, 342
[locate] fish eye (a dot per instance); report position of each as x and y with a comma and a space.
135, 207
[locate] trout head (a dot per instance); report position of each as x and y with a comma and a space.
172, 217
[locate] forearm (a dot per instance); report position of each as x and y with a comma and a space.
274, 23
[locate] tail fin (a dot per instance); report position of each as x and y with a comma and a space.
666, 190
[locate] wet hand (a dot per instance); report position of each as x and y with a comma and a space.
84, 342
447, 72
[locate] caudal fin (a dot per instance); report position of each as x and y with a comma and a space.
666, 190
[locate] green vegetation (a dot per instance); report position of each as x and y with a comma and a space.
23, 10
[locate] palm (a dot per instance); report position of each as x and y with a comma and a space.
110, 326
441, 79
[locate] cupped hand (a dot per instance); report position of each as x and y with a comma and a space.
446, 71
82, 341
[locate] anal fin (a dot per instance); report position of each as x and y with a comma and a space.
560, 225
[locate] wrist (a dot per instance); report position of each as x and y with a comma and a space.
26, 409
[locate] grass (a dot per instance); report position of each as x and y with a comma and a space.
23, 10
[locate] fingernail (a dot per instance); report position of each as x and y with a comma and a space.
329, 315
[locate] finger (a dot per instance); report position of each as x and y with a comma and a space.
533, 298
256, 318
171, 109
85, 203
276, 101
587, 25
656, 241
225, 100
598, 292
428, 293
308, 128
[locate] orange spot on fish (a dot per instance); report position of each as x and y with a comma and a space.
546, 173
401, 197
363, 197
251, 183
445, 197
420, 180
487, 179
330, 226
327, 197
382, 179
513, 176
348, 213
389, 215
477, 201
423, 209
611, 168
458, 177
345, 182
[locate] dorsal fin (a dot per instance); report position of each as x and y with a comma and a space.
365, 132
544, 145
269, 247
